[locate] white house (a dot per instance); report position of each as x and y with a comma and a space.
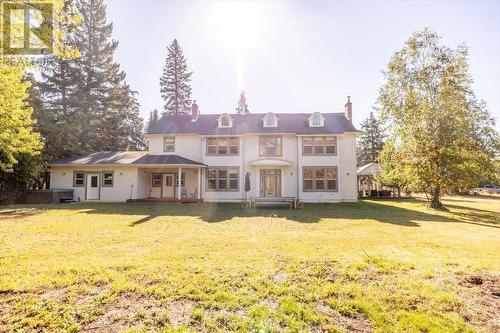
311, 157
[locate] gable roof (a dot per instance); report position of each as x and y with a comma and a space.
294, 123
124, 158
369, 169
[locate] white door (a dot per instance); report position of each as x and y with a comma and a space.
168, 186
92, 186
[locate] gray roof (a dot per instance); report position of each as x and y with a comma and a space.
296, 123
125, 158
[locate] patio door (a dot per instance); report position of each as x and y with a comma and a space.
92, 188
168, 185
270, 183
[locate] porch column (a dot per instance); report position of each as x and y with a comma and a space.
179, 188
199, 183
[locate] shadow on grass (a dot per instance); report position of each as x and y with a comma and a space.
381, 211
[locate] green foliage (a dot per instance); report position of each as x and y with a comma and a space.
153, 119
371, 141
442, 138
175, 82
16, 128
242, 107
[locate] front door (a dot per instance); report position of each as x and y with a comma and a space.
270, 182
92, 186
168, 186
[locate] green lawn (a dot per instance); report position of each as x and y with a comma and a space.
381, 266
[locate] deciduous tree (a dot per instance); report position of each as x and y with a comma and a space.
442, 137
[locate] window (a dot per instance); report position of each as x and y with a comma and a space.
319, 179
93, 181
270, 146
107, 178
270, 120
156, 180
223, 179
319, 145
223, 146
183, 179
169, 144
225, 120
316, 120
78, 178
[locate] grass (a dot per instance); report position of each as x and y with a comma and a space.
372, 266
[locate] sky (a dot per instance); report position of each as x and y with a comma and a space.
295, 56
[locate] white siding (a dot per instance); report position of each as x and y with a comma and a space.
124, 178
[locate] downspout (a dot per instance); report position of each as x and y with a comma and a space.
297, 166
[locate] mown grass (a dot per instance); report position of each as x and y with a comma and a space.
372, 266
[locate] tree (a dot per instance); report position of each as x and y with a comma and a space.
108, 113
153, 119
242, 107
442, 138
175, 83
16, 126
371, 140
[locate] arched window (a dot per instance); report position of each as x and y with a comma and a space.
225, 120
316, 120
270, 120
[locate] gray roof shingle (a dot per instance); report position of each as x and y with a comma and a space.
296, 123
124, 158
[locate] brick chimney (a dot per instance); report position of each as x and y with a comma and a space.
195, 113
348, 108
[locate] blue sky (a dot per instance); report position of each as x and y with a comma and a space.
298, 56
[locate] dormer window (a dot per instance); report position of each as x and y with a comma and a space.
316, 120
225, 120
270, 120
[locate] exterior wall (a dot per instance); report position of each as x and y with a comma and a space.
123, 178
187, 146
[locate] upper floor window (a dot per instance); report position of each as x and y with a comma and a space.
270, 120
319, 145
225, 120
316, 120
223, 146
270, 145
169, 144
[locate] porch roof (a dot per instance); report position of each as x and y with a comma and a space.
121, 158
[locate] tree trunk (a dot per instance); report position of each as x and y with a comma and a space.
435, 198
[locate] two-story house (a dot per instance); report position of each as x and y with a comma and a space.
223, 158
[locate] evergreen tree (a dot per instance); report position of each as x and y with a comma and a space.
153, 118
107, 109
175, 83
242, 107
371, 141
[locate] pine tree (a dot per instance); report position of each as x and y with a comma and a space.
153, 118
107, 109
371, 140
175, 83
242, 107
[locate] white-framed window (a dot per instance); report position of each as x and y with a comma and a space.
156, 179
107, 178
78, 178
223, 179
169, 144
270, 120
223, 146
270, 145
316, 120
319, 179
319, 145
225, 120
